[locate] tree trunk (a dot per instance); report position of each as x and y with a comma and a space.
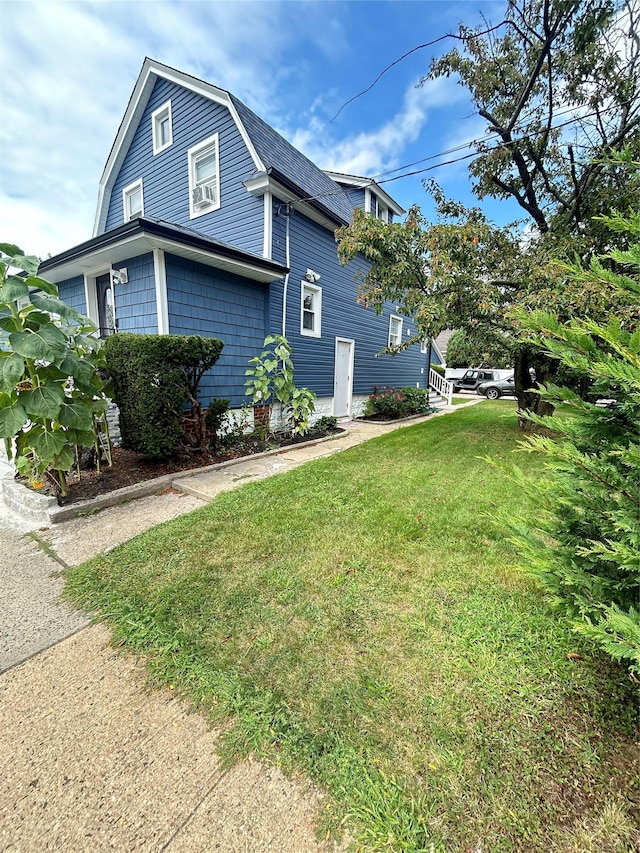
529, 401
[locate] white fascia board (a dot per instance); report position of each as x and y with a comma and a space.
435, 348
139, 244
367, 183
263, 184
151, 71
393, 206
350, 180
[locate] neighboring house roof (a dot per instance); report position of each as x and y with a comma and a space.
147, 233
442, 341
271, 153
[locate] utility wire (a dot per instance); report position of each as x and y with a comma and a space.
458, 159
414, 50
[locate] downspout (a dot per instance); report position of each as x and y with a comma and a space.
286, 278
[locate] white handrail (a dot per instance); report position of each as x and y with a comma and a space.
441, 385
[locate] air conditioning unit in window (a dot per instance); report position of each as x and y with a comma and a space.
204, 194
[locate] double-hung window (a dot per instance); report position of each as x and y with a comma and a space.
132, 201
395, 331
162, 128
311, 310
204, 177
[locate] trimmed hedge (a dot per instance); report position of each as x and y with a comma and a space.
153, 376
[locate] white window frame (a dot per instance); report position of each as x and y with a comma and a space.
391, 321
157, 117
316, 292
200, 209
423, 347
126, 197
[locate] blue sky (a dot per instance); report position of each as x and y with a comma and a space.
67, 71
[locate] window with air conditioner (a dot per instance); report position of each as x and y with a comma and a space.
162, 129
311, 310
204, 177
132, 201
395, 331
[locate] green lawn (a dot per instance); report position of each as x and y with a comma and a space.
360, 619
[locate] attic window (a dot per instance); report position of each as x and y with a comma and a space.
162, 128
204, 177
132, 201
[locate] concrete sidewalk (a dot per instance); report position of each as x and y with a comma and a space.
92, 762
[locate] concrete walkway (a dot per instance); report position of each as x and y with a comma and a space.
89, 760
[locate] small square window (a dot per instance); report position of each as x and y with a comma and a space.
204, 177
423, 347
132, 201
311, 310
162, 128
395, 331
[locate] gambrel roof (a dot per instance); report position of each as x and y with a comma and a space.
273, 156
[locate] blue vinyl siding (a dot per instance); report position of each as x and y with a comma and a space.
354, 195
213, 303
136, 309
314, 358
72, 292
240, 218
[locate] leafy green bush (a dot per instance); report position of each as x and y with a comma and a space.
391, 403
584, 542
153, 377
270, 377
215, 417
438, 368
326, 423
52, 399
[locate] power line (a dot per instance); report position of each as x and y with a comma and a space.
460, 159
414, 50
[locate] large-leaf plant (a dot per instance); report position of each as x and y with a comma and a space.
52, 398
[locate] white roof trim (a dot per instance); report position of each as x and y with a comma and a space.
114, 254
367, 183
261, 184
151, 71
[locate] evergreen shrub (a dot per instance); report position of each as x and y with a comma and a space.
153, 376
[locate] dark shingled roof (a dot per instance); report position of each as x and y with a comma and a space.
278, 154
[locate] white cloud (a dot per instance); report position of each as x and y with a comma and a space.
372, 152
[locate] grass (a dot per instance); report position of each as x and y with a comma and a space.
359, 619
459, 400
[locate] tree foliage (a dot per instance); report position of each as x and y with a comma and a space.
52, 398
481, 348
559, 90
584, 541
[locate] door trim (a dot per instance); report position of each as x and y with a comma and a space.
352, 347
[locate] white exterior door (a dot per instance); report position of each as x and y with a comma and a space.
343, 383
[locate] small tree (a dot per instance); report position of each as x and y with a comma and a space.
584, 544
269, 376
52, 398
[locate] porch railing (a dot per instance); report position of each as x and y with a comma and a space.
441, 385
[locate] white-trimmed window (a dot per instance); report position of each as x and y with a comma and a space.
395, 331
162, 128
311, 310
423, 347
132, 201
204, 177
379, 210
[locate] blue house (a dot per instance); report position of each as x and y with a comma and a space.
211, 223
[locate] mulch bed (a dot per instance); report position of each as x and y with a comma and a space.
130, 467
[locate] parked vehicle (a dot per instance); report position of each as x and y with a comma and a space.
473, 378
494, 389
